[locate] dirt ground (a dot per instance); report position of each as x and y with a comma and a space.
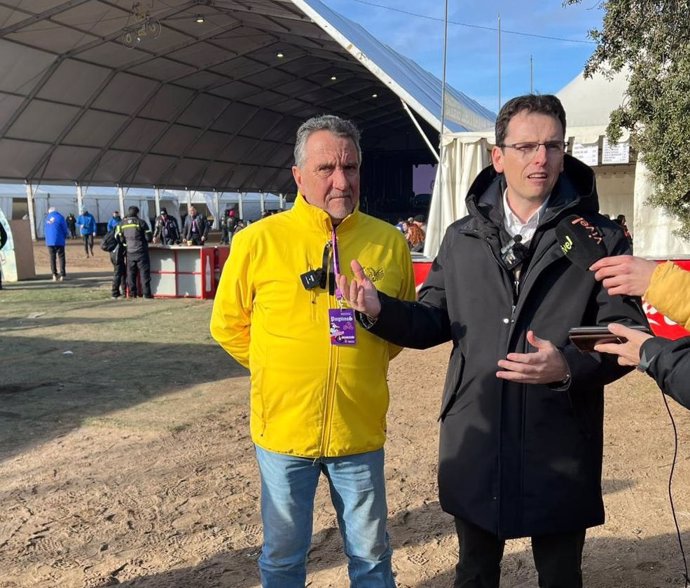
125, 457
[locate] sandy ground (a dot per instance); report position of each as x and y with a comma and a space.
125, 457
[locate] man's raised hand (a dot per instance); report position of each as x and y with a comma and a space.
361, 294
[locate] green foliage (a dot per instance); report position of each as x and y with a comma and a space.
652, 39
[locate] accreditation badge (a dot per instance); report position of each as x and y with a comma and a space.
341, 324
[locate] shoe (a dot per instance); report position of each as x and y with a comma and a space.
61, 278
55, 278
113, 297
148, 296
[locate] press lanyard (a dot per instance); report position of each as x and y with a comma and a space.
341, 321
336, 268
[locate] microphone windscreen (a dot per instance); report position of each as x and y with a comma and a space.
580, 241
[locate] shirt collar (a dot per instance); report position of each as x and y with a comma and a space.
515, 226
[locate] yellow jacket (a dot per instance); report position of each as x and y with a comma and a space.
309, 398
669, 292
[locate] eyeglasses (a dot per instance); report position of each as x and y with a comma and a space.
530, 149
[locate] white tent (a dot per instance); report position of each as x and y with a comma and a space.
622, 181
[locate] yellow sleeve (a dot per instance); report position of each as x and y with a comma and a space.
232, 306
669, 292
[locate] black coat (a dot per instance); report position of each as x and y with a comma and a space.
670, 366
515, 459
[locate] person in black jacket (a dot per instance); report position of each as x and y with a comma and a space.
166, 230
3, 240
195, 230
134, 233
522, 412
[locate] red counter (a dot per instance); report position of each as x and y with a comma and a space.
178, 271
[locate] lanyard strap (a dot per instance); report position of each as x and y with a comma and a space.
336, 266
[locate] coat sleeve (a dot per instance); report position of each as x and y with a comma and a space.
232, 307
599, 369
407, 289
422, 324
668, 292
670, 366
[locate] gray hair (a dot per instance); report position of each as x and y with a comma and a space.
326, 122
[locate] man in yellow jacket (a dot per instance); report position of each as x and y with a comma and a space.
319, 394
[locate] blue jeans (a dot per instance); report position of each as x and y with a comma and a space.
358, 493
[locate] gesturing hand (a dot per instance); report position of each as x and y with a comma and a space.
361, 294
544, 366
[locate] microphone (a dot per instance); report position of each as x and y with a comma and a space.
580, 241
513, 253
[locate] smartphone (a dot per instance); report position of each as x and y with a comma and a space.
585, 338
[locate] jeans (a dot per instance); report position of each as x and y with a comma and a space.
88, 244
358, 493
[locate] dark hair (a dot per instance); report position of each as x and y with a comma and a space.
327, 122
133, 211
539, 103
164, 210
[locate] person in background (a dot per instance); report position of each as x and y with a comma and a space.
620, 220
134, 234
118, 259
87, 230
71, 225
665, 286
3, 240
56, 231
522, 414
114, 220
195, 230
415, 238
166, 231
319, 394
420, 221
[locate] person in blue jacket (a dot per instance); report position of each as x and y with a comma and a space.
87, 230
56, 232
114, 221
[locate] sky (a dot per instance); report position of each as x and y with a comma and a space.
554, 37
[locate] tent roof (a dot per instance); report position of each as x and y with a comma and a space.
139, 93
588, 102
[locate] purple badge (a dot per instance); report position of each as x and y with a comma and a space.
341, 324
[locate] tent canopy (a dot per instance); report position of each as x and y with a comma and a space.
141, 93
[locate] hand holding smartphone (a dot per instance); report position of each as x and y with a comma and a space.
585, 338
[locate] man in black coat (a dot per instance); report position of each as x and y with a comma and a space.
195, 229
521, 438
134, 233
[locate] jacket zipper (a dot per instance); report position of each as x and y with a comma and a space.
331, 378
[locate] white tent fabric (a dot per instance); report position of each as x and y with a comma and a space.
6, 206
653, 232
212, 204
463, 156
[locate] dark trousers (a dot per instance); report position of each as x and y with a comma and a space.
557, 557
138, 265
57, 252
88, 244
119, 275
